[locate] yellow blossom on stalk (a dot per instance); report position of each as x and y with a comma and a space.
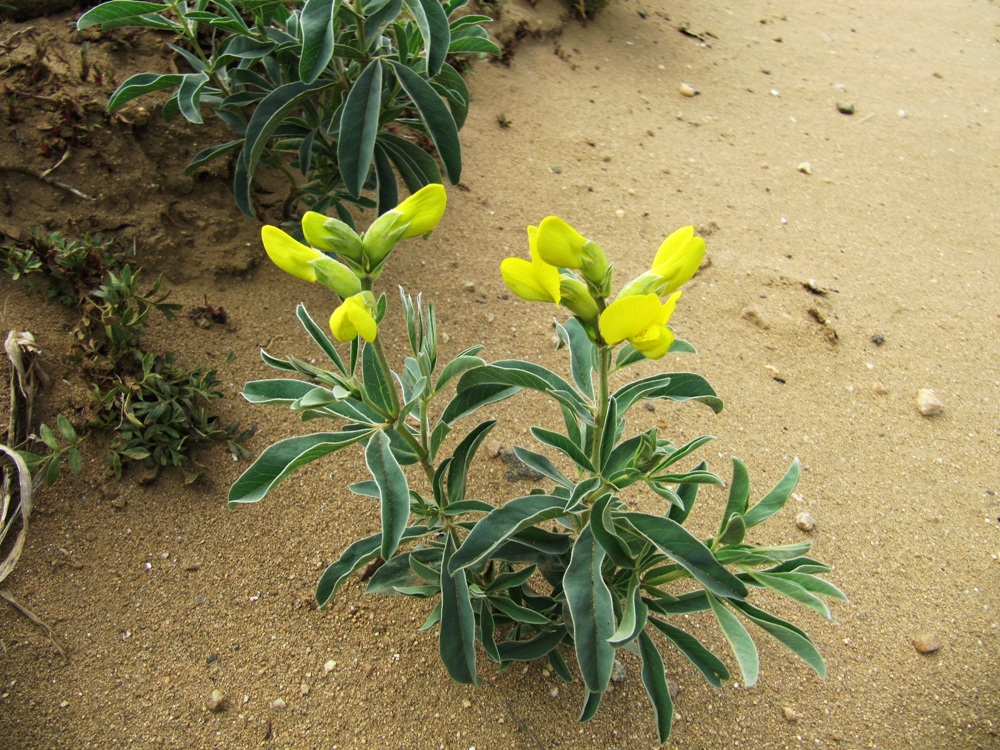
534, 280
355, 317
417, 215
332, 235
642, 319
288, 254
675, 263
307, 263
562, 246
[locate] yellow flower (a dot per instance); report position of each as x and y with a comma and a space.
354, 318
288, 254
675, 263
418, 214
332, 235
641, 319
562, 246
535, 280
678, 258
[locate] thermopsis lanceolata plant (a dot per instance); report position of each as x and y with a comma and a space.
574, 566
329, 88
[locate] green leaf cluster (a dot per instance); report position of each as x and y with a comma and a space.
569, 569
343, 97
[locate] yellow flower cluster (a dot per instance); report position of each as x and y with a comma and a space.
361, 256
637, 314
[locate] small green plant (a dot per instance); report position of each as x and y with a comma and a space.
70, 266
596, 561
154, 411
338, 95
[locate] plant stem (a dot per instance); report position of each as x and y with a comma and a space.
601, 409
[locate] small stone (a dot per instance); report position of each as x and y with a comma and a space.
775, 373
673, 688
686, 89
467, 703
878, 339
775, 92
845, 108
556, 170
277, 703
494, 448
216, 701
928, 403
304, 689
618, 671
328, 667
790, 714
805, 167
805, 522
753, 315
469, 286
926, 643
554, 692
118, 502
878, 389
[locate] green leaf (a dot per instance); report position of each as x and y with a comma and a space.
275, 391
462, 458
563, 444
318, 36
455, 368
677, 543
470, 399
740, 640
711, 667
774, 500
473, 44
139, 84
787, 634
734, 532
433, 25
788, 587
682, 452
582, 355
435, 115
610, 435
456, 91
316, 334
591, 702
603, 529
514, 372
397, 574
491, 531
385, 181
457, 638
432, 619
376, 386
271, 112
360, 553
541, 464
211, 153
282, 458
534, 648
687, 494
394, 492
655, 682
674, 386
559, 666
467, 506
511, 579
420, 168
359, 126
589, 602
121, 12
518, 613
739, 494
634, 616
188, 96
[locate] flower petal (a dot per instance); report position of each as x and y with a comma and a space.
521, 277
559, 244
423, 210
628, 317
288, 254
678, 258
654, 342
353, 318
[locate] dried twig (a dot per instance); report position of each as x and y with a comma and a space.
44, 177
56, 640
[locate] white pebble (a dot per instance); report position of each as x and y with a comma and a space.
805, 522
686, 89
928, 402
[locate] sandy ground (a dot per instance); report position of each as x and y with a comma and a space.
163, 595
